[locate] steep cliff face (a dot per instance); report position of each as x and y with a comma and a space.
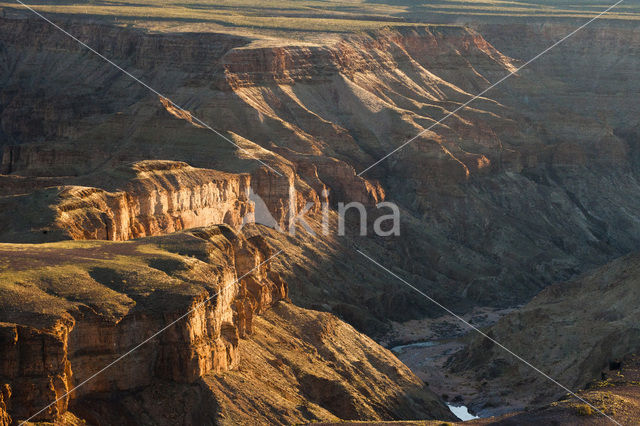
163, 197
151, 198
262, 97
298, 366
58, 131
71, 309
319, 113
352, 82
374, 53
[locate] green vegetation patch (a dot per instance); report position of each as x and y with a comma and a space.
41, 283
316, 16
583, 410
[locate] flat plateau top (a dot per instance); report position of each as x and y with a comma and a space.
319, 21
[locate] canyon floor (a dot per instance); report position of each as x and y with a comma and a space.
174, 243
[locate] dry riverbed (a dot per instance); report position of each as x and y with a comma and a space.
426, 345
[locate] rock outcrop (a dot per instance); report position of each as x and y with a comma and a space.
161, 198
299, 366
149, 198
306, 366
77, 307
196, 299
501, 199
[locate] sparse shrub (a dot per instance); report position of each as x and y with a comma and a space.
583, 410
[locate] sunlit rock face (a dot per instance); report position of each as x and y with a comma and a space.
530, 184
192, 311
163, 197
108, 298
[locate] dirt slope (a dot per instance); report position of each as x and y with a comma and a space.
303, 366
573, 331
70, 308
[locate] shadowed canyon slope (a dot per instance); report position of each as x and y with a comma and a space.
575, 331
507, 194
71, 308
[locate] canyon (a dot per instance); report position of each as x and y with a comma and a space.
582, 329
121, 209
71, 308
317, 114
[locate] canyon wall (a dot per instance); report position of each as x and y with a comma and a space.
66, 328
163, 197
534, 182
151, 198
337, 373
187, 311
478, 224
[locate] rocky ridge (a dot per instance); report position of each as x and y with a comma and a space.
70, 309
157, 197
319, 113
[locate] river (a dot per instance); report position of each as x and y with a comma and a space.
462, 412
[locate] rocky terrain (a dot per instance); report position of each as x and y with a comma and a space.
616, 395
574, 331
305, 366
536, 182
317, 114
155, 197
69, 309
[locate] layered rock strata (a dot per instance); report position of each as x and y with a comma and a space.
149, 198
71, 309
528, 185
163, 197
68, 309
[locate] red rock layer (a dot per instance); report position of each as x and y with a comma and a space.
41, 360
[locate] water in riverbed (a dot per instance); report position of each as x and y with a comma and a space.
400, 349
462, 412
